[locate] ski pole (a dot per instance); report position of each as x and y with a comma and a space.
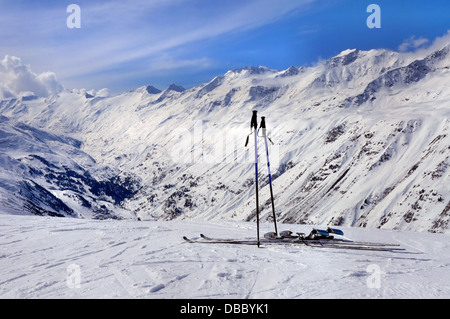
254, 127
263, 127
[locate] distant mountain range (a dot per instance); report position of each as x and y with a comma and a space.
361, 139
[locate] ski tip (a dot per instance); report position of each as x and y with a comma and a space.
186, 239
270, 235
206, 237
335, 231
320, 232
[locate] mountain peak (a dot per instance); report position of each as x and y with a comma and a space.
347, 52
152, 90
291, 71
439, 55
344, 58
175, 87
252, 70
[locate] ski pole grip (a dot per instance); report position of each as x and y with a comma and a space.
254, 122
263, 125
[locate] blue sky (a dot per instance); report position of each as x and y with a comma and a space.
125, 44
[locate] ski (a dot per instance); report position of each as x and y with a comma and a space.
305, 240
335, 231
325, 236
318, 244
223, 239
218, 241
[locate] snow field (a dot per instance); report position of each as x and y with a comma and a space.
43, 257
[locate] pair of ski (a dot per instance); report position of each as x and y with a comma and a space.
299, 240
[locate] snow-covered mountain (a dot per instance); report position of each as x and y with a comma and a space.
47, 174
361, 139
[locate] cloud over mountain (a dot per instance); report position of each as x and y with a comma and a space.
17, 79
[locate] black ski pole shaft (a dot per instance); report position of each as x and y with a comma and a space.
254, 125
264, 133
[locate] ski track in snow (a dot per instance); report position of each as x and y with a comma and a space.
43, 257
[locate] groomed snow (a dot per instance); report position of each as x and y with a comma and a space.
44, 257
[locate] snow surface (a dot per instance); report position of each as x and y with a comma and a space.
44, 257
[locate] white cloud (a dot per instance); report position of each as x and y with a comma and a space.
93, 93
412, 43
17, 79
129, 34
440, 42
103, 93
423, 48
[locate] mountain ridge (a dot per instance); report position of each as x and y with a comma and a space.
356, 143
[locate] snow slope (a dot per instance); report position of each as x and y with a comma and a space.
43, 257
48, 174
361, 140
